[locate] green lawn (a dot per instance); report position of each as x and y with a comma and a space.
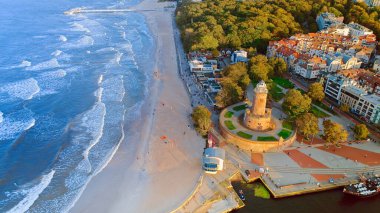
323, 106
283, 82
284, 133
266, 138
261, 191
228, 114
240, 107
276, 89
244, 135
229, 125
277, 96
276, 93
317, 112
287, 125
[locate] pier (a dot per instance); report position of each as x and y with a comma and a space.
82, 10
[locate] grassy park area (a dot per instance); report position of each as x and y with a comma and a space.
284, 133
229, 125
323, 106
244, 135
287, 125
240, 107
266, 138
283, 82
228, 114
318, 113
276, 93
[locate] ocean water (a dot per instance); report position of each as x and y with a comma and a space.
70, 87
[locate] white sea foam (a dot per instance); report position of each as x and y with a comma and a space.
79, 27
40, 36
118, 57
61, 55
100, 79
62, 38
106, 49
91, 129
53, 74
113, 89
50, 64
84, 41
56, 53
24, 63
32, 194
24, 89
14, 124
1, 117
50, 82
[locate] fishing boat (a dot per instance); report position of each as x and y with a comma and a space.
367, 187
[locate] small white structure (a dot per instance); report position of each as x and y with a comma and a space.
376, 65
213, 159
239, 56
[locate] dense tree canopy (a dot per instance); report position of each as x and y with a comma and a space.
234, 83
334, 133
361, 131
260, 69
316, 92
202, 119
278, 65
307, 124
234, 24
295, 103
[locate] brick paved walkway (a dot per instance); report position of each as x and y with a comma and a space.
359, 155
305, 161
257, 158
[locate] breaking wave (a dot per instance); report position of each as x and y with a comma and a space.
50, 64
24, 89
32, 194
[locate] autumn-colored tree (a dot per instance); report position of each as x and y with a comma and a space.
279, 65
230, 94
334, 133
361, 131
344, 107
316, 92
260, 69
295, 103
238, 74
307, 124
202, 119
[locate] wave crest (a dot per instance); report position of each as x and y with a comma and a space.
52, 63
32, 194
24, 89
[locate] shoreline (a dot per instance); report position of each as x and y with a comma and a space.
145, 171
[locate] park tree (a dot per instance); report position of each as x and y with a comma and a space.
260, 69
202, 119
361, 132
237, 73
307, 125
344, 107
230, 93
334, 133
295, 103
279, 65
206, 42
316, 92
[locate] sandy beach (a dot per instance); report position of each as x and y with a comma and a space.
149, 173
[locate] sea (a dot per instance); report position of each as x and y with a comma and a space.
70, 88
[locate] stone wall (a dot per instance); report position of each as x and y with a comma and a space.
256, 146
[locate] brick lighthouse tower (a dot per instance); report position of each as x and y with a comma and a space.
259, 118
